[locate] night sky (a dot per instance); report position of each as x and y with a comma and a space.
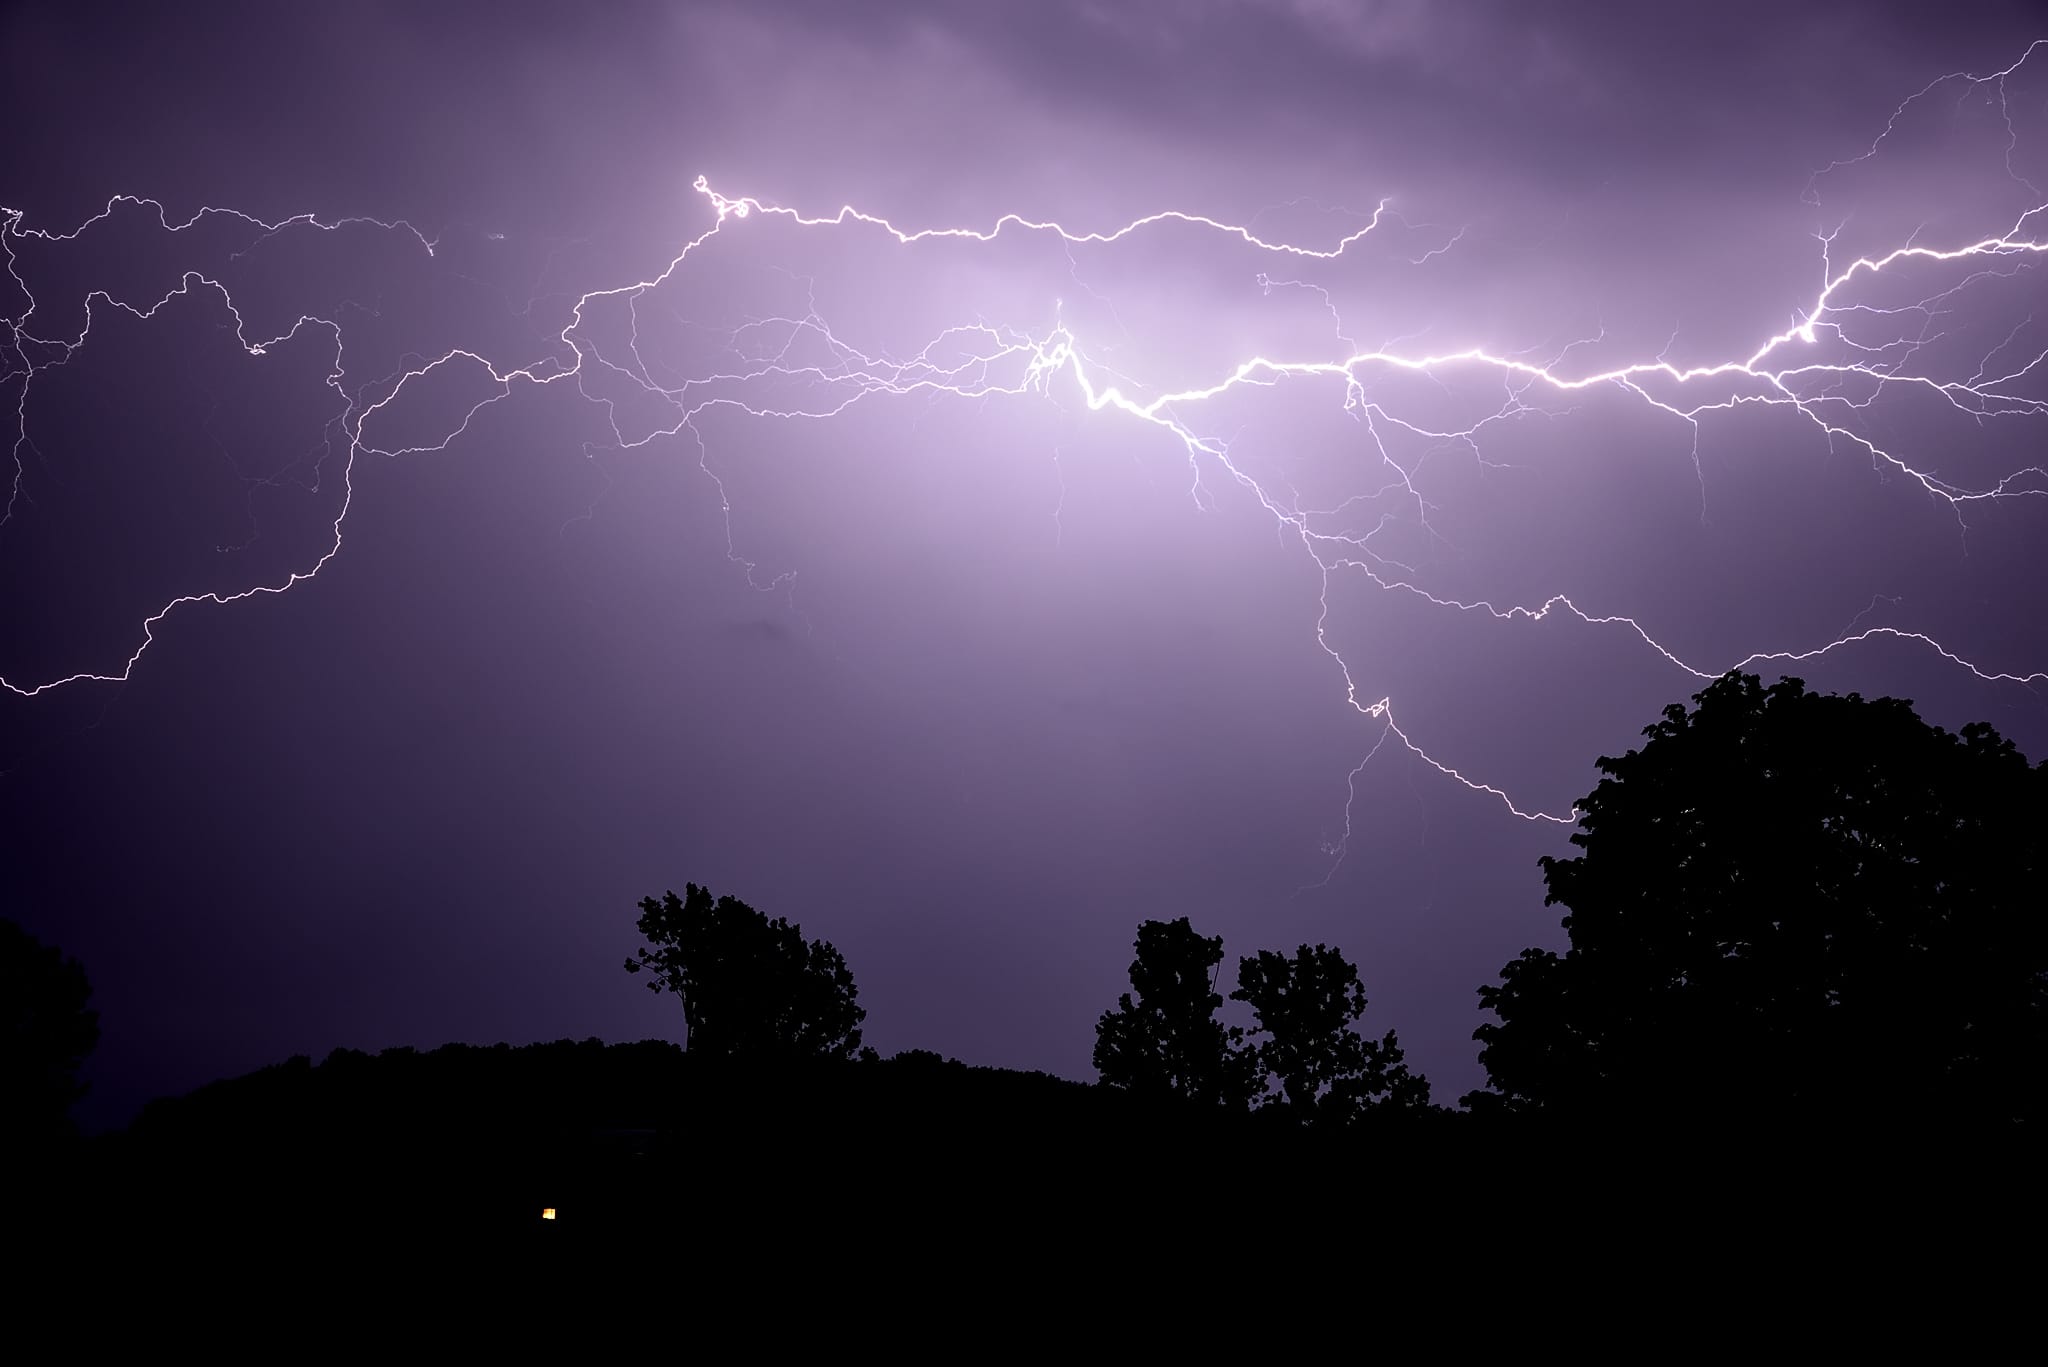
789, 574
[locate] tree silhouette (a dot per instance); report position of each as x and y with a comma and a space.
1326, 1071
751, 987
46, 1030
1792, 904
1168, 1041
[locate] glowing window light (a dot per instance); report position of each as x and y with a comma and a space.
547, 1212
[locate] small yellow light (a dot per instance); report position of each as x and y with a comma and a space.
547, 1212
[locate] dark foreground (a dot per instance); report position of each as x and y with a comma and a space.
927, 1175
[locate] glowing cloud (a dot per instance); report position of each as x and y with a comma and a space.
1850, 348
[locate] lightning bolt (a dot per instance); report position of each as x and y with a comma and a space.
1844, 350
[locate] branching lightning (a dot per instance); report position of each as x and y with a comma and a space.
1843, 351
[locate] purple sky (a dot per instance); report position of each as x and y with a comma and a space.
1007, 674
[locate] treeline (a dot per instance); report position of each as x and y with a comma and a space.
1788, 908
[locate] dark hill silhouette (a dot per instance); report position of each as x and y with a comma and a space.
1803, 1016
418, 1179
626, 1141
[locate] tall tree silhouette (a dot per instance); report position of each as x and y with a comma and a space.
1792, 904
750, 987
1327, 1073
1168, 1042
46, 1031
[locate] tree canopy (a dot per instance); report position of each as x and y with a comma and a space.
1168, 1042
46, 1030
1789, 903
1325, 1071
750, 987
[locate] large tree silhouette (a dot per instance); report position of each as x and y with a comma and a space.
751, 987
1168, 1042
1326, 1072
46, 1030
1791, 904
